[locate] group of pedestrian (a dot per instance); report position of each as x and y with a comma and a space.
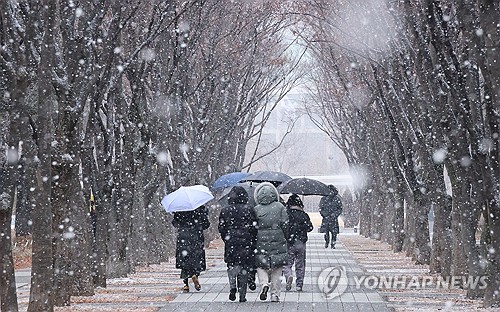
264, 240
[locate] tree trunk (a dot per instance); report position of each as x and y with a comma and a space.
398, 221
366, 213
23, 206
459, 260
409, 242
492, 291
8, 295
442, 239
490, 67
73, 244
41, 294
8, 183
137, 243
422, 252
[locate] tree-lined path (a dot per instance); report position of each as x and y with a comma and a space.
215, 289
106, 106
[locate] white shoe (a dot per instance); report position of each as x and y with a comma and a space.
275, 298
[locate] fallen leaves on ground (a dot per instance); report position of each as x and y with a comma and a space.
378, 259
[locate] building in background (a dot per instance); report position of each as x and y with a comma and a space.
306, 151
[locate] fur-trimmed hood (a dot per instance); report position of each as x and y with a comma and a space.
265, 193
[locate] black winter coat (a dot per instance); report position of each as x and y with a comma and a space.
299, 224
237, 227
190, 251
330, 208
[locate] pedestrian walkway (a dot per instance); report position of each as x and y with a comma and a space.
215, 288
158, 288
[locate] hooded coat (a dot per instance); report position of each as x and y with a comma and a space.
298, 220
190, 251
237, 227
271, 251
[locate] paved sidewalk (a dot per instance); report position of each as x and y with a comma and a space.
158, 288
215, 288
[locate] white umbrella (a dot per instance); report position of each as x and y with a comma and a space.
187, 198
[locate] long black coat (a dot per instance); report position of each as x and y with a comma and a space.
190, 251
237, 227
330, 208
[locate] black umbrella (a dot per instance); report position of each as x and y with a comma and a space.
248, 186
274, 177
304, 186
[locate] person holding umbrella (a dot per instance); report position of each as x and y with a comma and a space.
299, 225
190, 249
190, 219
272, 255
330, 208
237, 227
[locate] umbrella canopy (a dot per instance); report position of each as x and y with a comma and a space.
304, 186
229, 179
274, 177
187, 198
248, 186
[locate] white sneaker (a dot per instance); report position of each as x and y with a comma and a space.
275, 298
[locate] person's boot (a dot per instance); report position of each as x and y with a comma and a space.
232, 294
251, 280
185, 288
263, 293
252, 285
289, 282
243, 292
333, 245
196, 282
326, 244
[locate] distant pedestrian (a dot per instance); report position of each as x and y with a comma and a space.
237, 227
190, 249
299, 224
330, 208
271, 239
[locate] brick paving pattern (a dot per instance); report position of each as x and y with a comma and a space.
158, 288
215, 288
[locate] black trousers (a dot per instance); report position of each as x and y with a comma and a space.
333, 233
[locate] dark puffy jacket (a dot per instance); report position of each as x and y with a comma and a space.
237, 227
190, 251
299, 224
272, 219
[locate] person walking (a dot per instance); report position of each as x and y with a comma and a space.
237, 227
299, 224
190, 249
330, 208
271, 249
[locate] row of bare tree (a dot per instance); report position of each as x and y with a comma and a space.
410, 90
124, 101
